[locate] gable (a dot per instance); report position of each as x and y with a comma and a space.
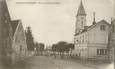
19, 36
102, 22
14, 25
94, 26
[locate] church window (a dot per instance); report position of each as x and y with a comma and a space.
103, 27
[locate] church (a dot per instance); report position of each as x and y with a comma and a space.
91, 42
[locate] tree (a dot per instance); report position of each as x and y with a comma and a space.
41, 46
71, 46
54, 47
29, 39
62, 47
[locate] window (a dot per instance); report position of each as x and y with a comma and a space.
101, 51
78, 20
21, 48
81, 23
105, 51
103, 27
83, 41
86, 41
77, 40
6, 15
82, 17
97, 51
6, 21
113, 28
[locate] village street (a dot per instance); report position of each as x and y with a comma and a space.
43, 62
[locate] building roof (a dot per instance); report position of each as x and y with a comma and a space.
81, 10
113, 21
14, 25
92, 26
4, 8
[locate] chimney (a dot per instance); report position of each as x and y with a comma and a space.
94, 22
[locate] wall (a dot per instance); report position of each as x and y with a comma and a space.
81, 44
98, 36
92, 52
97, 39
19, 44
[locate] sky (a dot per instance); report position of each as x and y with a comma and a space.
51, 23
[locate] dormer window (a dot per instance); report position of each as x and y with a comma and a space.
103, 27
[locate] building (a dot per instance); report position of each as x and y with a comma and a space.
12, 36
90, 41
19, 45
112, 40
5, 33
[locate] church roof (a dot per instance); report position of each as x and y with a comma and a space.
81, 10
14, 25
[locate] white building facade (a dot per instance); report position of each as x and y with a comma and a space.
90, 41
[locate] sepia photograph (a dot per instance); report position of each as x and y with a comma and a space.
57, 34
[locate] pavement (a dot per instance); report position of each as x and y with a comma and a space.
43, 62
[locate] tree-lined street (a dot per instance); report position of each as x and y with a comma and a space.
49, 41
43, 62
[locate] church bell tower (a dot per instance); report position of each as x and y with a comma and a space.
80, 19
